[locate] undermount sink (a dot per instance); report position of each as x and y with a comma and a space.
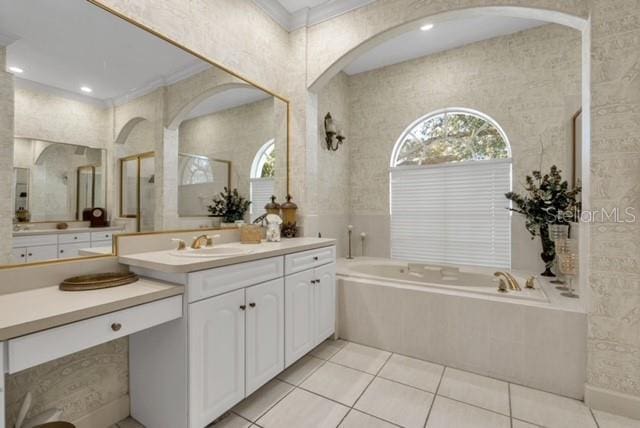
211, 252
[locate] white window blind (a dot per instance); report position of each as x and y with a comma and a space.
261, 191
452, 213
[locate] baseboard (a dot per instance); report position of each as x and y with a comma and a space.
614, 402
107, 415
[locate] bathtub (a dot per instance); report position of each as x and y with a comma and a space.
454, 316
463, 279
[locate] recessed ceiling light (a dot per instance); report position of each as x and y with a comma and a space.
426, 27
86, 89
15, 70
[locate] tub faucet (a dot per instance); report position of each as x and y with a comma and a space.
350, 229
201, 240
507, 279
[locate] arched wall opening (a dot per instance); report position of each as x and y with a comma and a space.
575, 22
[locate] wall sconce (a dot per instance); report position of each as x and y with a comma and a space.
332, 131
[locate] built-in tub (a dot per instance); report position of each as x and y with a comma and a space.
456, 317
466, 279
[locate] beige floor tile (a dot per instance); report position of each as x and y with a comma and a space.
231, 421
300, 370
337, 382
356, 419
129, 423
328, 348
414, 372
361, 357
400, 404
302, 409
474, 389
522, 424
262, 400
607, 420
549, 410
448, 413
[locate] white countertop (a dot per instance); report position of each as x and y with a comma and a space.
30, 232
43, 308
164, 261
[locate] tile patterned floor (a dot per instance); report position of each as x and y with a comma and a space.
346, 385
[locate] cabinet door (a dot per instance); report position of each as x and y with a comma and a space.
325, 298
265, 333
66, 251
43, 252
19, 255
216, 356
299, 315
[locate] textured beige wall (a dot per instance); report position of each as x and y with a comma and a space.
528, 82
334, 191
614, 318
45, 116
6, 159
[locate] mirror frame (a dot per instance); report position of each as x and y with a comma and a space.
209, 61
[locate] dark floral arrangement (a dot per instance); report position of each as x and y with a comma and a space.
229, 205
548, 201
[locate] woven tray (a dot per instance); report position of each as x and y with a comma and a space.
98, 281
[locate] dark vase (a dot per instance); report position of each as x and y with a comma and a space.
548, 253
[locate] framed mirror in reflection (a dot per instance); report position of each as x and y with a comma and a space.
107, 115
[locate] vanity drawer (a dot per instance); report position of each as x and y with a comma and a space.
298, 262
70, 238
102, 236
34, 240
37, 348
212, 282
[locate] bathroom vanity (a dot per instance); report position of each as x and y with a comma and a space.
44, 324
246, 318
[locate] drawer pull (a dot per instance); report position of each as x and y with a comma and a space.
30, 254
253, 305
75, 237
116, 326
243, 307
315, 258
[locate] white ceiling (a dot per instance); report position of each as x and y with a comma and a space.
227, 99
443, 36
66, 44
296, 5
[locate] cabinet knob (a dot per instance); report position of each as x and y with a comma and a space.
30, 254
315, 258
62, 251
253, 305
75, 237
116, 326
243, 307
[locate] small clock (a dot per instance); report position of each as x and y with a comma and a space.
98, 217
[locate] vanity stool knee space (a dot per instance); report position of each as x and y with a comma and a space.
244, 323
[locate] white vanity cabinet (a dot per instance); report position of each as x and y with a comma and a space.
310, 307
245, 323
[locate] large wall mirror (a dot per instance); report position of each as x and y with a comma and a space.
119, 131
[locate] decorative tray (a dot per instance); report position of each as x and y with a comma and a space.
98, 281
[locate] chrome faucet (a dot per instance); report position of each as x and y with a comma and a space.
506, 279
201, 240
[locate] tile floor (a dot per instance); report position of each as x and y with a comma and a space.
346, 385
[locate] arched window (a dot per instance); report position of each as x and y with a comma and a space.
450, 170
262, 178
195, 169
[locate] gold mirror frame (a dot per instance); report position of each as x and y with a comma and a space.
209, 61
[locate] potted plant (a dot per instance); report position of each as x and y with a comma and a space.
229, 205
547, 201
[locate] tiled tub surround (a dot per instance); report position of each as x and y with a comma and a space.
534, 343
348, 385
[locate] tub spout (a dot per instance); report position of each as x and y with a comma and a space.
508, 279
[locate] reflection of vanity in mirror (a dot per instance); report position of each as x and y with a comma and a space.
150, 143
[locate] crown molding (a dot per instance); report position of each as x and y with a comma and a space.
308, 16
31, 85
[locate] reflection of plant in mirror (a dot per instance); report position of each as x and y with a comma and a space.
269, 166
451, 137
229, 205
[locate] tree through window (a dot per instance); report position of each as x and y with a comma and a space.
451, 136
